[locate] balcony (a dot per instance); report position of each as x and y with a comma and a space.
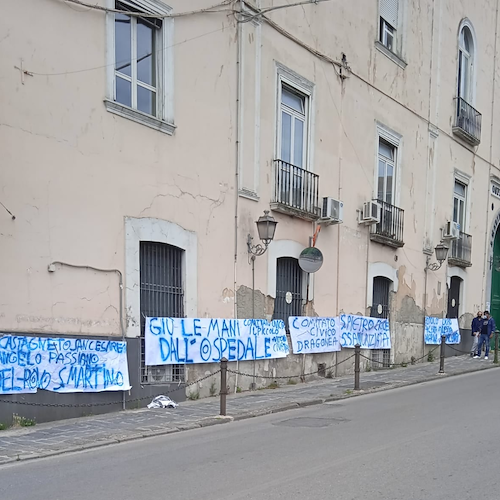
295, 191
460, 251
389, 231
468, 122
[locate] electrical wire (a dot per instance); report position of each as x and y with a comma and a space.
334, 64
338, 64
248, 18
207, 10
64, 73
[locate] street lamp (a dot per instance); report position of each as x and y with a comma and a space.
441, 251
266, 227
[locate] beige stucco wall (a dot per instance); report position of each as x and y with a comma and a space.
72, 173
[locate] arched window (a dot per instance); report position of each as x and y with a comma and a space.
466, 52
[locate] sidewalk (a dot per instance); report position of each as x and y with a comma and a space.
90, 432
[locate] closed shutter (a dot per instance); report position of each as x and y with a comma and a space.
389, 11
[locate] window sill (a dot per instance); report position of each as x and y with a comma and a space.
139, 117
391, 55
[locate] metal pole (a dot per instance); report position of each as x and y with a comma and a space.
223, 386
495, 360
357, 357
441, 355
254, 386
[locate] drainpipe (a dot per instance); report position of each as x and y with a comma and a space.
486, 252
426, 271
237, 168
52, 269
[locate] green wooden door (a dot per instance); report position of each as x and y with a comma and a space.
495, 281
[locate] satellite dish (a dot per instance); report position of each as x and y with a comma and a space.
310, 260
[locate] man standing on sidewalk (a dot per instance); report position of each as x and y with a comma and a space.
476, 331
487, 328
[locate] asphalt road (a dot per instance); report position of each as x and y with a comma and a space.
436, 440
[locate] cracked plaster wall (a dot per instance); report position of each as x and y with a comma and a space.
71, 171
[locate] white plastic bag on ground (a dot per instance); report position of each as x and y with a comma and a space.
162, 402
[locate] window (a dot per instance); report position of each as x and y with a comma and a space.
386, 172
162, 295
389, 12
136, 83
293, 116
459, 204
387, 33
465, 64
140, 79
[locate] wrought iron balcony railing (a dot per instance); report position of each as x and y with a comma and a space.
461, 251
467, 122
389, 230
296, 191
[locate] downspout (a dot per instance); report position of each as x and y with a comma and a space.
426, 271
51, 268
237, 169
429, 235
485, 267
339, 197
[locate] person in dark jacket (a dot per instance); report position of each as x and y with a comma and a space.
487, 328
476, 330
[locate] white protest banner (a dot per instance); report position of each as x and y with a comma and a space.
435, 327
432, 330
313, 335
62, 365
204, 340
369, 333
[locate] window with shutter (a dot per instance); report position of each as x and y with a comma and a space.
389, 12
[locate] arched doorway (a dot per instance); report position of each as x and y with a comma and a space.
380, 300
288, 301
454, 297
495, 278
381, 358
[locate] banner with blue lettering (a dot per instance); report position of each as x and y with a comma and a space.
62, 365
369, 333
435, 327
313, 335
204, 340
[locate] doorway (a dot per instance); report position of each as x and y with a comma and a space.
454, 297
495, 279
288, 300
381, 358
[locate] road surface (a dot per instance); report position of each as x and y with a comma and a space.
432, 441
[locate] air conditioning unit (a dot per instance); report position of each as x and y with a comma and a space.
451, 231
370, 213
332, 211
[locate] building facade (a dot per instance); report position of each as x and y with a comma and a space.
141, 141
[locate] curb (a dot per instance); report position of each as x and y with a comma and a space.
218, 420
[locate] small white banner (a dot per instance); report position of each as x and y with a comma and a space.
313, 335
369, 333
436, 327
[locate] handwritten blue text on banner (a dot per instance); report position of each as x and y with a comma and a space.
204, 340
369, 333
313, 335
62, 365
435, 327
